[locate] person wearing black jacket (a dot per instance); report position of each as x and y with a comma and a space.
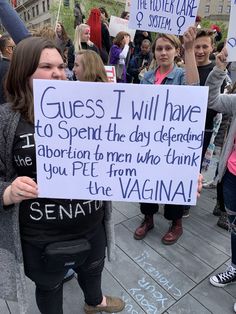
6, 48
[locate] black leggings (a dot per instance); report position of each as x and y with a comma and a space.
49, 287
171, 212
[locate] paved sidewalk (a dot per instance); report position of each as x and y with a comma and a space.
153, 278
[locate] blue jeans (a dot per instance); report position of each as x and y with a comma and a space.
229, 190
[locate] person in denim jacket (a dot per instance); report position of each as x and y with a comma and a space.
165, 48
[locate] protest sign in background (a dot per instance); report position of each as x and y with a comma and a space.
172, 17
118, 24
122, 142
231, 38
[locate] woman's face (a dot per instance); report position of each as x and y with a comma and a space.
85, 36
165, 53
50, 67
103, 16
78, 68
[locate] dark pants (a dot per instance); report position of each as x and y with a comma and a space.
206, 142
220, 196
229, 188
171, 212
49, 286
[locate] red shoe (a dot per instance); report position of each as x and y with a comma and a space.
143, 229
174, 233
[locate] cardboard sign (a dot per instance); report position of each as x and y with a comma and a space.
231, 38
121, 142
118, 24
172, 17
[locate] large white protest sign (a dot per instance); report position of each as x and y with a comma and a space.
122, 142
118, 24
231, 38
172, 17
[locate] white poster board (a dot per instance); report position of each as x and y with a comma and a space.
121, 142
231, 38
118, 24
111, 73
172, 17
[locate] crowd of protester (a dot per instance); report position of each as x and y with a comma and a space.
147, 59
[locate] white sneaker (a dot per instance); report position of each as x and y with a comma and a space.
235, 307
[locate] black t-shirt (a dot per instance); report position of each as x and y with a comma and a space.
204, 71
44, 220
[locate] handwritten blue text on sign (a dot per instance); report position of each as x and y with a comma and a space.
118, 141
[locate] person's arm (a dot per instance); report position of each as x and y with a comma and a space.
191, 71
106, 38
125, 50
12, 22
225, 103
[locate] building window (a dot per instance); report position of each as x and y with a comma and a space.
33, 11
48, 4
228, 9
207, 8
43, 3
37, 9
220, 8
28, 15
25, 17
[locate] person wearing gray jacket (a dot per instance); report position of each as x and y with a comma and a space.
225, 103
30, 236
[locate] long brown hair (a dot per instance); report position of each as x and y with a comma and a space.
94, 70
119, 37
25, 60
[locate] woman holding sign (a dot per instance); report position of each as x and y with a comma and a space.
37, 237
165, 49
227, 164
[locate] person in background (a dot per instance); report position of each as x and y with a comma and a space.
125, 15
81, 41
104, 16
78, 14
138, 39
227, 164
28, 238
118, 55
203, 47
165, 48
12, 22
140, 62
88, 67
198, 21
69, 73
46, 31
62, 39
217, 32
99, 33
6, 48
